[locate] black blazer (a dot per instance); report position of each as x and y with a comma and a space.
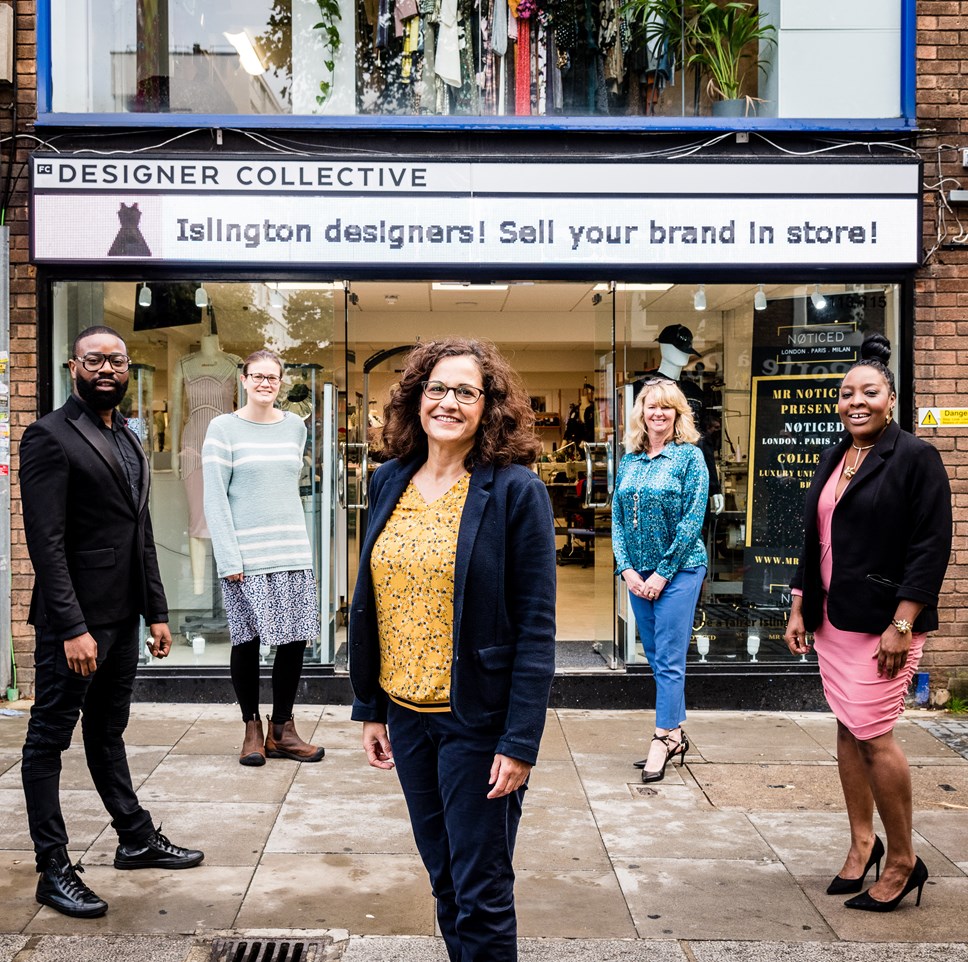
504, 606
91, 546
891, 536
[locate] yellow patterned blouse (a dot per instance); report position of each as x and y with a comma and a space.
412, 565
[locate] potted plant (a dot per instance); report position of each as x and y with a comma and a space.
725, 39
719, 39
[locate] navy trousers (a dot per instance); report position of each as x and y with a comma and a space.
465, 839
61, 695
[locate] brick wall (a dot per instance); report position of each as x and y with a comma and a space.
23, 332
941, 312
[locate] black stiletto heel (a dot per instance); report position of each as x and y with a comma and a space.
866, 903
678, 748
844, 886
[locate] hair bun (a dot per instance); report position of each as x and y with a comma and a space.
876, 347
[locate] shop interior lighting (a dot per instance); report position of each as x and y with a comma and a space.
275, 297
759, 298
144, 295
635, 287
201, 297
309, 286
699, 298
251, 61
460, 286
819, 301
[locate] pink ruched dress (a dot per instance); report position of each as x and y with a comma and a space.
868, 705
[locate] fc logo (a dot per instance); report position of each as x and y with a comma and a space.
45, 168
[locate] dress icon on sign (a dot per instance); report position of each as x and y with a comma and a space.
129, 242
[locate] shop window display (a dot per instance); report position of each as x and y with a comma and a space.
460, 58
187, 361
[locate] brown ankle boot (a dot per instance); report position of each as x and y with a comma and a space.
253, 750
283, 742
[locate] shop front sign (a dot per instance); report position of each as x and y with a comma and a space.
192, 210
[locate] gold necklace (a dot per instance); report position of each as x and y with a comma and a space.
851, 470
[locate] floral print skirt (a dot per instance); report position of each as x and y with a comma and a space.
277, 608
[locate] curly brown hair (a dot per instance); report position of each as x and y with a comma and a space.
506, 433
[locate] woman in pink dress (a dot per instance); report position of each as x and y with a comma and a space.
877, 542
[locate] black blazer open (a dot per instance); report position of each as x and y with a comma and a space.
504, 606
891, 536
91, 546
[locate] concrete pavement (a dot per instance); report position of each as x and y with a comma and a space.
727, 858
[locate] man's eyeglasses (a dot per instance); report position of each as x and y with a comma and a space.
465, 393
271, 379
94, 362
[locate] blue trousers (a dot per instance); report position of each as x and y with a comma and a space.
104, 698
665, 627
466, 840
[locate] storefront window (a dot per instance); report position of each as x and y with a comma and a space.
464, 58
185, 371
763, 382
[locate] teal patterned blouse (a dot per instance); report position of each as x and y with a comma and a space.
658, 509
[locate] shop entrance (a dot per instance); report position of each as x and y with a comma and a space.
560, 337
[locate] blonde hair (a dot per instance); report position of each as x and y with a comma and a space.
668, 395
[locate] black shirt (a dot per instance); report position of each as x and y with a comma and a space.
123, 444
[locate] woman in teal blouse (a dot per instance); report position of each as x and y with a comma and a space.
657, 514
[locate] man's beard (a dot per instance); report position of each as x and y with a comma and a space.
101, 400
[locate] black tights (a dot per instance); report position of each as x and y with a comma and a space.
286, 672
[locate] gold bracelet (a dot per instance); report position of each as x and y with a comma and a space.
902, 625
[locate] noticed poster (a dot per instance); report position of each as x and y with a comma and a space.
801, 350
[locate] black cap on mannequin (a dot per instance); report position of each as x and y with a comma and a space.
679, 336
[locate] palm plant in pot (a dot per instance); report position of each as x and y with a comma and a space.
721, 40
726, 39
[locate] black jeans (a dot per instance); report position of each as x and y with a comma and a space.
105, 699
466, 840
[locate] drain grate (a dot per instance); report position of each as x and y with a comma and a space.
272, 950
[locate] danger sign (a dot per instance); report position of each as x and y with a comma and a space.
943, 417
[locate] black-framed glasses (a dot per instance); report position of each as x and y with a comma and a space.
273, 380
465, 393
94, 361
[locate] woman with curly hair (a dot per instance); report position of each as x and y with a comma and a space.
452, 629
657, 515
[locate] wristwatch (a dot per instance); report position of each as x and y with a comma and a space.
902, 625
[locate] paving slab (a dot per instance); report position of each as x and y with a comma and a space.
93, 948
227, 836
577, 905
770, 787
156, 902
375, 948
357, 821
815, 843
706, 899
941, 914
142, 761
365, 894
607, 733
13, 729
738, 737
10, 945
18, 882
946, 831
217, 778
828, 951
84, 816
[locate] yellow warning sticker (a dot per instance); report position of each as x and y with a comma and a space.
943, 417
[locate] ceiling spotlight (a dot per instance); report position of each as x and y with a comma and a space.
819, 301
275, 297
759, 298
201, 297
144, 295
699, 298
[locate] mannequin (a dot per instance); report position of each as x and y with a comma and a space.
208, 379
675, 346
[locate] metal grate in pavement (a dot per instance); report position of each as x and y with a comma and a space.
272, 950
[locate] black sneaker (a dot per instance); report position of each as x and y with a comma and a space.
156, 851
61, 889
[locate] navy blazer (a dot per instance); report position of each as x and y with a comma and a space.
504, 605
891, 536
90, 543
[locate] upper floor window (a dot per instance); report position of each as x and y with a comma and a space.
621, 59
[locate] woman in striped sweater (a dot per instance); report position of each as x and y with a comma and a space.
252, 459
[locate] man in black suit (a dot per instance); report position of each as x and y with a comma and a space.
84, 491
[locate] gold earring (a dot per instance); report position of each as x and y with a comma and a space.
890, 415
